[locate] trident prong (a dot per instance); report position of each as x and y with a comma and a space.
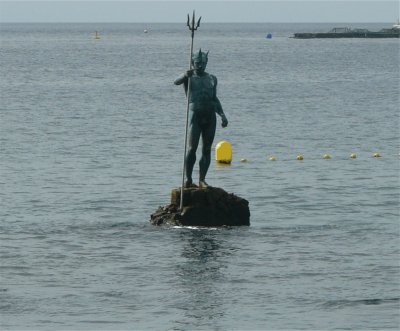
193, 26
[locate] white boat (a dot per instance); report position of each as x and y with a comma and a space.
396, 26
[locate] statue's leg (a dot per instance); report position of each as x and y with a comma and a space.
208, 134
194, 137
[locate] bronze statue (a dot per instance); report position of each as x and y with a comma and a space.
203, 104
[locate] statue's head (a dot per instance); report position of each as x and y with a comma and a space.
199, 60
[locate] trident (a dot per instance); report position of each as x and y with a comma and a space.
192, 27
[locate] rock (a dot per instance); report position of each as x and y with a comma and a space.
211, 206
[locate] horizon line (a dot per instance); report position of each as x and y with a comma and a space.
149, 22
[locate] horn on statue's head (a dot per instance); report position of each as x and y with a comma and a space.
200, 56
206, 56
196, 55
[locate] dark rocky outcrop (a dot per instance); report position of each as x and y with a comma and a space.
210, 206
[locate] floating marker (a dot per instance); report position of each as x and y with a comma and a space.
377, 155
326, 156
299, 157
243, 160
272, 158
96, 36
268, 36
353, 155
223, 152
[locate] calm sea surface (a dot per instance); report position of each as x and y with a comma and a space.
91, 138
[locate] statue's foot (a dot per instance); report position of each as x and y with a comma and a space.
189, 184
203, 184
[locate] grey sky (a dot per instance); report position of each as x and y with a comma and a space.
211, 11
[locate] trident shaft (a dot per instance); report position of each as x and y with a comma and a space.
193, 26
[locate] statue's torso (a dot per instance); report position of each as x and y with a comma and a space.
202, 93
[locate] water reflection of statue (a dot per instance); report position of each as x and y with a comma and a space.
203, 104
200, 273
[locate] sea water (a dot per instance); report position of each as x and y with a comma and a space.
92, 139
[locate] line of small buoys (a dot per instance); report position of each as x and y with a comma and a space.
223, 154
325, 156
226, 157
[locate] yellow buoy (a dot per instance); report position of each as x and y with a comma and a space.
272, 158
326, 156
377, 155
223, 152
299, 157
353, 155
